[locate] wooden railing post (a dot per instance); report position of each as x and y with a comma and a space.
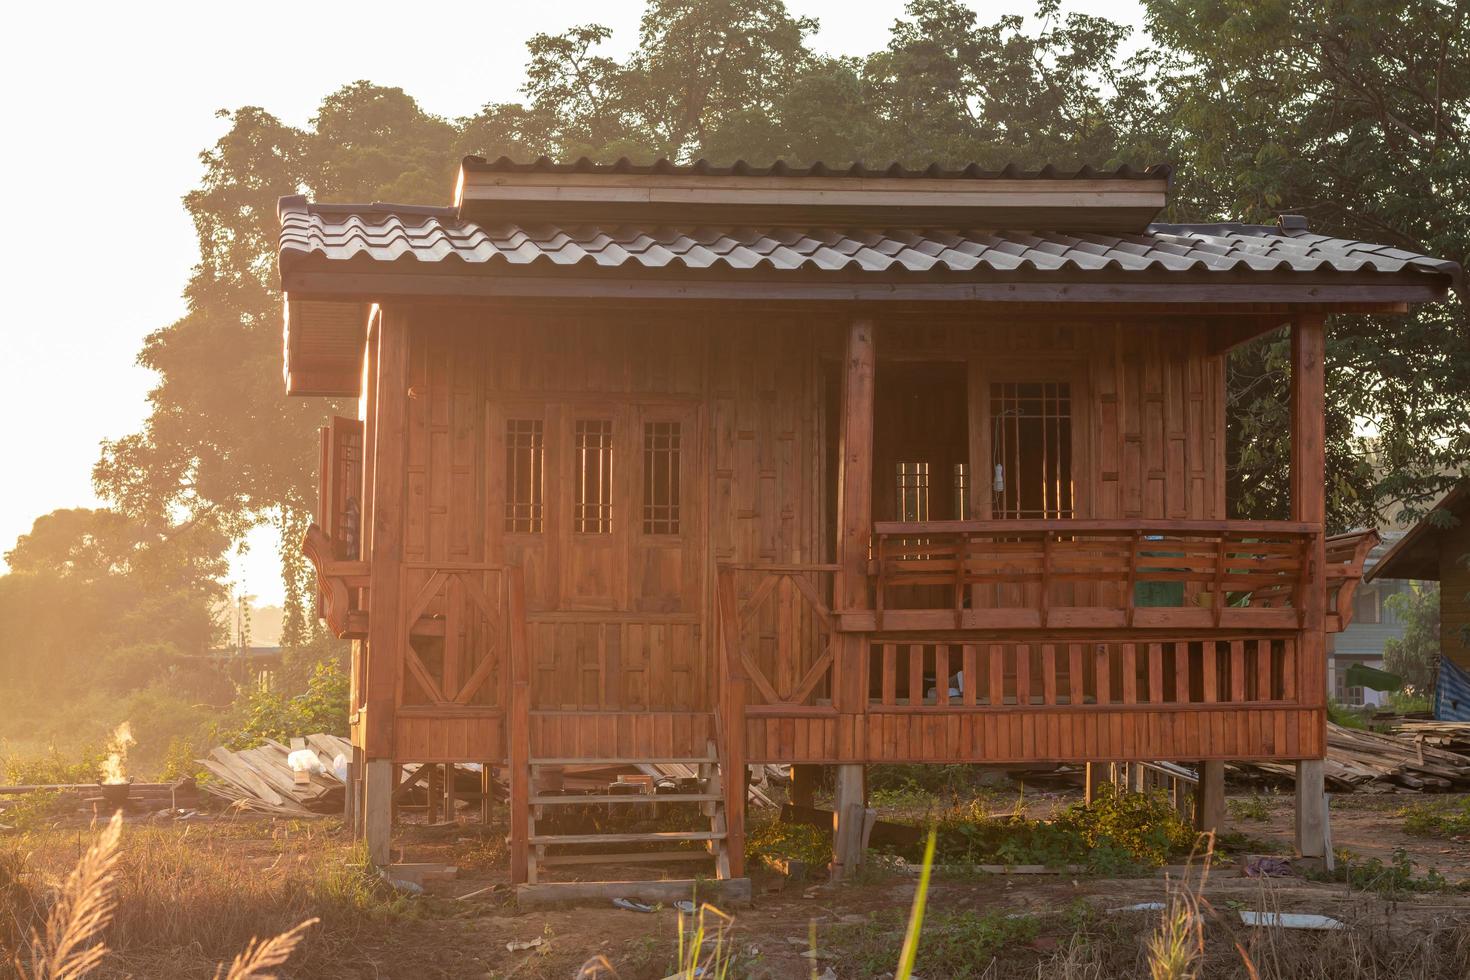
854, 525
730, 721
518, 722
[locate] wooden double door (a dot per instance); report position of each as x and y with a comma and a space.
602, 502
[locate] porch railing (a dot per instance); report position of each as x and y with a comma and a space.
1067, 574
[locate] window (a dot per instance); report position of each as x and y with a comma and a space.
1031, 449
592, 512
1368, 606
913, 491
525, 451
661, 478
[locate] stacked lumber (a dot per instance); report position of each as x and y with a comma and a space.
1359, 758
1451, 736
261, 778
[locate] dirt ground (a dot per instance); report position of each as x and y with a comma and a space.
459, 941
437, 935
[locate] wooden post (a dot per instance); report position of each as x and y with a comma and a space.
1209, 800
349, 796
848, 814
434, 793
519, 722
1097, 777
1311, 811
732, 724
382, 649
1309, 505
855, 468
804, 779
378, 808
451, 793
487, 785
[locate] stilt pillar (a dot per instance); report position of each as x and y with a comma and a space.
1099, 774
1209, 798
378, 808
804, 779
1313, 835
849, 813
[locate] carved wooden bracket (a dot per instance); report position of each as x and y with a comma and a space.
342, 585
1346, 554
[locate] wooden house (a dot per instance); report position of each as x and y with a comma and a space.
1437, 549
728, 465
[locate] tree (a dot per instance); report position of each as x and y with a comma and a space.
1414, 656
1355, 114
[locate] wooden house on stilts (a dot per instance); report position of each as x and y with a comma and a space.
728, 465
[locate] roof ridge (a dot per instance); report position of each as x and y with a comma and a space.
780, 168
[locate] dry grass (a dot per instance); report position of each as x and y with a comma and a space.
171, 904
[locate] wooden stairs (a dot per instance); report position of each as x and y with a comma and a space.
548, 851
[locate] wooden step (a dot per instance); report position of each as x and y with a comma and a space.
586, 761
627, 798
658, 836
627, 857
724, 893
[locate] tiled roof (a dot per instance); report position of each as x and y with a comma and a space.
740, 168
382, 233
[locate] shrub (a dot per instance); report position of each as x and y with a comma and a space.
1253, 807
322, 707
952, 943
789, 842
1435, 819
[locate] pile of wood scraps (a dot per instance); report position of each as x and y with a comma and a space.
263, 779
1451, 736
1387, 763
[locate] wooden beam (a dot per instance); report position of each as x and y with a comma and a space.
1312, 833
519, 722
378, 809
1209, 806
849, 813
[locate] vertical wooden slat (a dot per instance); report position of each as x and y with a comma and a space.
997, 690
972, 675
1049, 673
1155, 673
1023, 673
916, 674
1130, 673
1181, 671
1263, 670
941, 673
1237, 671
1103, 675
1210, 672
890, 674
1076, 682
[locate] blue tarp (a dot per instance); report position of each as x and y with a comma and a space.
1452, 692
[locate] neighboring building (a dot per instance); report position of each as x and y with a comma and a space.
728, 465
1373, 625
1437, 549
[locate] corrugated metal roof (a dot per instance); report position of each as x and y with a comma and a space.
780, 168
384, 233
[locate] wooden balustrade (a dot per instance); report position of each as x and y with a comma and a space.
1081, 574
1175, 673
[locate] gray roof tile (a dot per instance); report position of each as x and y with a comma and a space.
382, 233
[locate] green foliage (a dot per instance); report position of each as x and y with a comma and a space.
1253, 807
1413, 656
1120, 833
33, 811
322, 707
789, 842
1433, 818
1409, 701
1386, 878
952, 943
55, 767
1345, 716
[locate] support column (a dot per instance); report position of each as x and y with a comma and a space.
849, 812
854, 538
378, 809
1098, 776
518, 722
1309, 505
389, 400
1312, 832
804, 779
1209, 797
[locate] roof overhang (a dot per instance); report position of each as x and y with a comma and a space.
1085, 200
323, 346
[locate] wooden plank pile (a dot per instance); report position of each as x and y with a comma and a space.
1451, 736
261, 778
1370, 760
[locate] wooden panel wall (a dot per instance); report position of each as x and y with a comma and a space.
1454, 587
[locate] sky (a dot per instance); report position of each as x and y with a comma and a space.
108, 101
